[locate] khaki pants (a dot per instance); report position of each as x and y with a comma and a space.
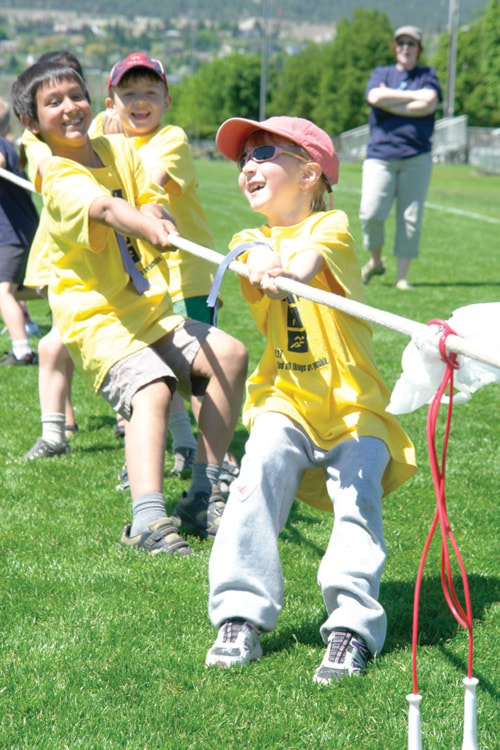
405, 181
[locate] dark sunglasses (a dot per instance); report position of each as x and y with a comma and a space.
265, 153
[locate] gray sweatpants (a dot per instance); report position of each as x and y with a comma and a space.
245, 572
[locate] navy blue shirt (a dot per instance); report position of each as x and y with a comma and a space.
18, 215
395, 137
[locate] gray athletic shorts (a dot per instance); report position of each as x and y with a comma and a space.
13, 260
169, 359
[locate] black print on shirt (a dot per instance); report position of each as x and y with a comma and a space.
130, 247
297, 337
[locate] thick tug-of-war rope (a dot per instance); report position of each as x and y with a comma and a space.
398, 323
461, 615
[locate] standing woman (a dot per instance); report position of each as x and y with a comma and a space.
403, 98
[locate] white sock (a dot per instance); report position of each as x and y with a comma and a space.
53, 428
21, 348
179, 426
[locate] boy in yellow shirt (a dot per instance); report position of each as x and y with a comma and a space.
315, 410
108, 229
138, 99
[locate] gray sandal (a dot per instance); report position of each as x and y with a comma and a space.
162, 537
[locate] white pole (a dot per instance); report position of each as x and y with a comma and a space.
454, 343
449, 105
470, 734
265, 59
414, 731
21, 181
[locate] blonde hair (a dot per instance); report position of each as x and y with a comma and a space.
318, 201
4, 117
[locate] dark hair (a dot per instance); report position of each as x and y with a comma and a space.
62, 56
27, 84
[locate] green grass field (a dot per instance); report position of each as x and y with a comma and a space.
104, 648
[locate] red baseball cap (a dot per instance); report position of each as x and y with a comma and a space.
233, 133
136, 60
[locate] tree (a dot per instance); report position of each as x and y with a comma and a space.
359, 46
477, 83
226, 87
297, 83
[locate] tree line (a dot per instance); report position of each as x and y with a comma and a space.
326, 82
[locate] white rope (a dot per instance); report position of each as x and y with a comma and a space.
397, 323
21, 181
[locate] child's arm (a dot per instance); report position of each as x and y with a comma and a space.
265, 265
153, 165
152, 223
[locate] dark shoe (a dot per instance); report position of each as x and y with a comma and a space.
42, 449
120, 426
70, 429
162, 537
368, 271
183, 462
124, 483
28, 359
346, 654
200, 514
228, 473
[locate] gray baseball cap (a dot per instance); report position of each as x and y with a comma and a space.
412, 31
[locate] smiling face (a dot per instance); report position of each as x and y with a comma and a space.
279, 188
63, 115
407, 52
140, 103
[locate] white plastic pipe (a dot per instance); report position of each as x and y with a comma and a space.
414, 730
21, 181
470, 732
398, 323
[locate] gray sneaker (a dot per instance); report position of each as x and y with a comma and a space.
183, 462
42, 449
237, 643
200, 514
346, 654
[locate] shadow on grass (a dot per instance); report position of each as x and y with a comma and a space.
436, 623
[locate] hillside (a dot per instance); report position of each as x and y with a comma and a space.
431, 15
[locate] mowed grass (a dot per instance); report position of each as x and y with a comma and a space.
104, 647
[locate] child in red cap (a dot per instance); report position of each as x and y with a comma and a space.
315, 410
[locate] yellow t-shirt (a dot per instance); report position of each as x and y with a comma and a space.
318, 366
169, 149
99, 314
37, 269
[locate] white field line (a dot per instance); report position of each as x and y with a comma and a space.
439, 207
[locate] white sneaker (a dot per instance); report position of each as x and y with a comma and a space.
237, 643
404, 286
346, 654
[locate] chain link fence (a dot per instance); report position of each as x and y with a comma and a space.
453, 142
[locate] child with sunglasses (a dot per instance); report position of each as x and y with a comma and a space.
315, 410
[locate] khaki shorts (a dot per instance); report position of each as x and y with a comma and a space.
169, 359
